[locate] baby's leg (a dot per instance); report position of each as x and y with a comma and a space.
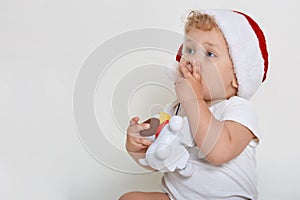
144, 196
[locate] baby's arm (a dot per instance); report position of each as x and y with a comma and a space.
219, 141
136, 145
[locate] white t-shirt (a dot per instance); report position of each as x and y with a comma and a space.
233, 180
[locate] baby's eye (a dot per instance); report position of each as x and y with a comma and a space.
210, 54
189, 51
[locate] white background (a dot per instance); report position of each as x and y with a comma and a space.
42, 47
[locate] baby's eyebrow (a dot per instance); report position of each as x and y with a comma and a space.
189, 40
216, 47
210, 44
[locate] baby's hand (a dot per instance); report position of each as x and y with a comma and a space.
135, 142
189, 86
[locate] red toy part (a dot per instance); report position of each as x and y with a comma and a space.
160, 127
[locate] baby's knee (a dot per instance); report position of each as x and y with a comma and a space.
129, 196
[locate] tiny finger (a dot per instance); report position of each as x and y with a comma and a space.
136, 128
134, 120
145, 141
185, 72
196, 74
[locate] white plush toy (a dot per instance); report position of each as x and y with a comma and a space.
171, 136
168, 151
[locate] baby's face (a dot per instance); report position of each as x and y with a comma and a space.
209, 50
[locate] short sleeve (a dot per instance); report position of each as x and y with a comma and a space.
242, 111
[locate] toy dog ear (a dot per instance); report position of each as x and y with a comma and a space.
154, 124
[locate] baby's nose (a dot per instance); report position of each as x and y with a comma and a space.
188, 65
191, 64
188, 58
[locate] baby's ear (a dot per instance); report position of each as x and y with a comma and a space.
234, 83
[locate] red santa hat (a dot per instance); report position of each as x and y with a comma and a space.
247, 48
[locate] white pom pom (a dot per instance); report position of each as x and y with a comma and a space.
175, 123
172, 71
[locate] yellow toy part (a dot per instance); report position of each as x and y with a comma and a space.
163, 117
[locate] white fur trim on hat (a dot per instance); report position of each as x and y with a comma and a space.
244, 49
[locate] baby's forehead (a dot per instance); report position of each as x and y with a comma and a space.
211, 38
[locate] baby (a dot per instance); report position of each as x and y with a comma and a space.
222, 63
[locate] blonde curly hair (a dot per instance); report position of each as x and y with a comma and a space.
198, 20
